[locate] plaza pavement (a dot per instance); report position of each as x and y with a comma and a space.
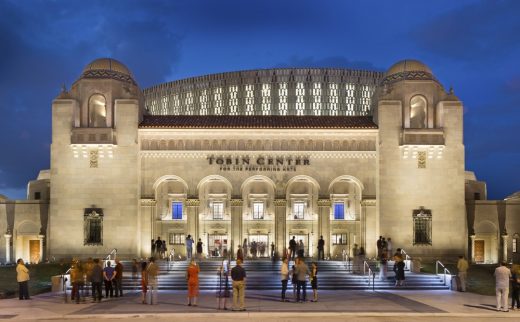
265, 306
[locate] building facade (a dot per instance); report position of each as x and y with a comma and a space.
256, 157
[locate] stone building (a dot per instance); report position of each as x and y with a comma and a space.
258, 157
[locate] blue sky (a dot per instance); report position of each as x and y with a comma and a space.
473, 46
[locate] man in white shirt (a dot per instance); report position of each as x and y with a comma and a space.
502, 277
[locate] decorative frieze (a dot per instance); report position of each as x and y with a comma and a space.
280, 202
192, 202
236, 202
148, 202
324, 203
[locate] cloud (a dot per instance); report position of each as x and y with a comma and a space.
330, 62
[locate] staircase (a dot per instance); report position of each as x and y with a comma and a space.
265, 275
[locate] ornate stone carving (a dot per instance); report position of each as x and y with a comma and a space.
192, 202
93, 158
421, 159
280, 202
324, 203
236, 202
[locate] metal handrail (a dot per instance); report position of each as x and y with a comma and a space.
347, 260
112, 252
370, 274
407, 258
445, 270
64, 283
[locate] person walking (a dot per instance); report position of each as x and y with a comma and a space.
321, 249
199, 249
152, 271
399, 270
223, 285
244, 249
22, 277
153, 247
192, 277
238, 275
284, 272
109, 273
462, 267
502, 277
515, 287
97, 280
118, 280
189, 247
292, 247
77, 277
383, 267
302, 271
144, 282
314, 281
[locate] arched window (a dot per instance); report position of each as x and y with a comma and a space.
97, 111
418, 108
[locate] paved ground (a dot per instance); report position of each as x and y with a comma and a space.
265, 306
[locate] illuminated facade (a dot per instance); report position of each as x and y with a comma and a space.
254, 156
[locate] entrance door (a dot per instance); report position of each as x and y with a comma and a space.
305, 239
34, 251
217, 245
259, 245
479, 251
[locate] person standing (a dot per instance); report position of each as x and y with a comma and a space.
22, 277
321, 249
189, 247
314, 281
383, 267
158, 246
462, 267
301, 249
109, 273
135, 268
97, 280
238, 275
118, 280
515, 286
292, 247
240, 253
272, 250
302, 271
284, 272
152, 271
244, 249
144, 282
294, 279
223, 286
399, 270
192, 277
502, 277
77, 276
389, 248
199, 249
153, 247
379, 245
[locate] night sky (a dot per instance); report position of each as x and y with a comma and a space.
473, 46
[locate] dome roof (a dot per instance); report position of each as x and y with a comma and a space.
108, 68
408, 65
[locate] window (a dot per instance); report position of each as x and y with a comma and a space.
250, 100
476, 196
515, 243
203, 102
299, 209
175, 239
300, 99
282, 99
339, 210
266, 99
37, 195
258, 210
93, 226
418, 112
339, 239
233, 100
217, 208
217, 100
316, 99
97, 111
333, 98
422, 227
177, 210
350, 99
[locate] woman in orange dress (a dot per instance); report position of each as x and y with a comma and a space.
192, 276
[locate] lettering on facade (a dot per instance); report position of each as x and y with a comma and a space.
260, 163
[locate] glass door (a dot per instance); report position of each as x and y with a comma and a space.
259, 245
217, 245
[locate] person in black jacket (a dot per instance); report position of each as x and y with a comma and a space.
321, 248
399, 270
292, 247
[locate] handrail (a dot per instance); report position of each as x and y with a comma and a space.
407, 258
112, 252
346, 259
370, 273
64, 283
437, 263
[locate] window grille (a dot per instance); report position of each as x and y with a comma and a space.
258, 210
333, 99
217, 98
233, 100
204, 102
316, 99
189, 103
350, 99
93, 226
300, 99
266, 99
250, 100
422, 227
218, 210
177, 210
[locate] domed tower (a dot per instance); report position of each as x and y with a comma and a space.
421, 162
94, 163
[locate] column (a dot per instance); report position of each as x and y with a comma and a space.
8, 248
504, 246
41, 238
472, 259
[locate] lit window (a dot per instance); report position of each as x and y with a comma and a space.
366, 93
316, 99
300, 99
339, 210
175, 239
233, 100
350, 99
333, 99
189, 103
422, 227
339, 239
299, 209
204, 102
515, 243
164, 109
176, 104
176, 210
217, 208
217, 98
97, 111
258, 210
418, 112
266, 99
250, 99
282, 99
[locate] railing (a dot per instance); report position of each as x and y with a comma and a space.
347, 260
370, 274
445, 270
407, 259
109, 256
64, 284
